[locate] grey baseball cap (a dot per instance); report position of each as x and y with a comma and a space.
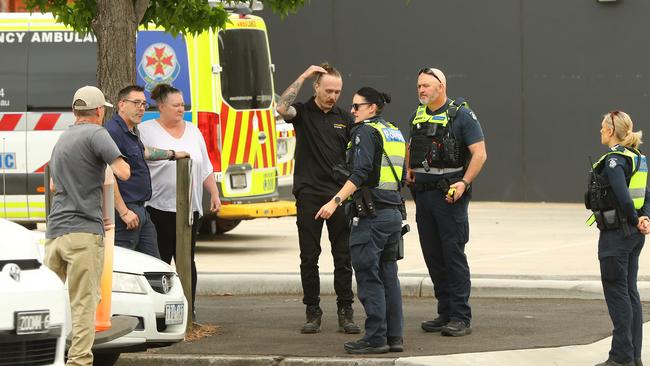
89, 97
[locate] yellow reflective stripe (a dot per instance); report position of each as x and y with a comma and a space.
228, 137
244, 132
591, 220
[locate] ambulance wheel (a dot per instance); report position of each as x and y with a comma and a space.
217, 226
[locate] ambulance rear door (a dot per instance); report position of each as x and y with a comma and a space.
13, 101
60, 62
249, 143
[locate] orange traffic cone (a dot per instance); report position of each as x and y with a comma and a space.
103, 315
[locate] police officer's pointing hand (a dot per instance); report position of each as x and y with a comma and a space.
327, 210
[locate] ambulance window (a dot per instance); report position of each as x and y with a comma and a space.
246, 73
57, 69
13, 77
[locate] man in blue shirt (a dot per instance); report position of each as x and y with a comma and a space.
134, 230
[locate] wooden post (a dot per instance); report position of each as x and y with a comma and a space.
183, 258
48, 191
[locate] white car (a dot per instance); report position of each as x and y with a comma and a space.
144, 288
34, 302
148, 289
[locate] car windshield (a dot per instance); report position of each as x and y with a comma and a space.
246, 81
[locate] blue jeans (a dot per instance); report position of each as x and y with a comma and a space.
143, 238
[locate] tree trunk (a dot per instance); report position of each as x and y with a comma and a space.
115, 27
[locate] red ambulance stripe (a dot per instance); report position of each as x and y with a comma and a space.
41, 169
269, 121
8, 122
260, 124
47, 121
235, 138
247, 149
223, 123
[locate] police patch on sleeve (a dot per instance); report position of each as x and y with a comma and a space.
357, 140
612, 163
471, 113
393, 135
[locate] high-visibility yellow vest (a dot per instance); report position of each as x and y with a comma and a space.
639, 178
442, 118
395, 148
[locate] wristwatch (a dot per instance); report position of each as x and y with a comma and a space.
337, 200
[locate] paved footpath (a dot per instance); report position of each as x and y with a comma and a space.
516, 250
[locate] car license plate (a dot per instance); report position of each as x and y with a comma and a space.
31, 322
238, 181
174, 314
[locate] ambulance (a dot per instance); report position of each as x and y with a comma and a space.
226, 78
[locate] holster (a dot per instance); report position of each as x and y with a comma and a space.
395, 251
363, 203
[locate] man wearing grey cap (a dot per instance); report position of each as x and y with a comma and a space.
74, 248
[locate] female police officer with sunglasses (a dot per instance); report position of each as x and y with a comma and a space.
375, 160
620, 200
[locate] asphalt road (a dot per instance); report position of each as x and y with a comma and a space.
269, 325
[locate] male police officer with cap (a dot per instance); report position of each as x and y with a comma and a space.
446, 153
74, 247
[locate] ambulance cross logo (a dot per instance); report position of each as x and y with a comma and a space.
158, 65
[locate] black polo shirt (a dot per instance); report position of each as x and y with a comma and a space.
137, 189
321, 139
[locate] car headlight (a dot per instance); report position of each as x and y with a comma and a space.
160, 282
126, 282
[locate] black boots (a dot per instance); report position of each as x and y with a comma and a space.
346, 320
456, 328
434, 325
312, 325
361, 347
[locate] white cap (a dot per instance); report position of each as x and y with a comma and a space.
89, 97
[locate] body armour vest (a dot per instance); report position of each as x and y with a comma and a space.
599, 196
433, 143
386, 173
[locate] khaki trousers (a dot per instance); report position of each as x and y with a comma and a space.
79, 258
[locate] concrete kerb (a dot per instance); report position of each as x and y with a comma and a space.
221, 360
412, 286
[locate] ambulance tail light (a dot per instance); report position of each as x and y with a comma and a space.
208, 124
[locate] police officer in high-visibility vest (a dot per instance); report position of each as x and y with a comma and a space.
373, 179
619, 198
446, 153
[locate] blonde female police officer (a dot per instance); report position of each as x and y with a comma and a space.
375, 160
618, 195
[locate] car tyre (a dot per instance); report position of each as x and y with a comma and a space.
216, 226
105, 359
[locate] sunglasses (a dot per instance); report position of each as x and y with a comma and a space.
356, 106
429, 71
611, 116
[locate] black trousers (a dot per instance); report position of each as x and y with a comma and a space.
309, 234
619, 278
444, 231
165, 223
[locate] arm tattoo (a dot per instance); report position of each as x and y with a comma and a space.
289, 96
152, 153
